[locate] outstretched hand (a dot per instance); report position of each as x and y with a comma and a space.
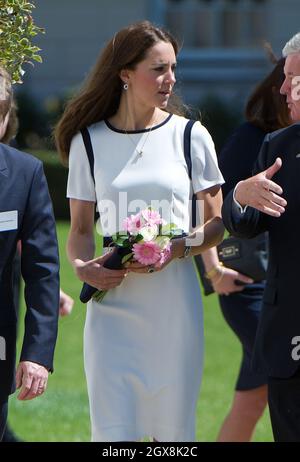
261, 192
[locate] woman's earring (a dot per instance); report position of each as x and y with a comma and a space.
125, 86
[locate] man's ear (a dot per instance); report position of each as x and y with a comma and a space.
3, 126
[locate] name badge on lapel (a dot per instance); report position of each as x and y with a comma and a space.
8, 220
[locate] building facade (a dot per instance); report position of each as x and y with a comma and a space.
221, 53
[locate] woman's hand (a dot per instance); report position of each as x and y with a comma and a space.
136, 267
177, 249
224, 282
94, 273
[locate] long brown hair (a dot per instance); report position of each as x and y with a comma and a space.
7, 105
100, 95
266, 107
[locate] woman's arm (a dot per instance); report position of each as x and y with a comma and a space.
222, 279
208, 234
81, 244
211, 231
81, 249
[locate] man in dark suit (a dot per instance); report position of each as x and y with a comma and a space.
260, 204
25, 215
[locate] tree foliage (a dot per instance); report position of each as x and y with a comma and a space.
17, 30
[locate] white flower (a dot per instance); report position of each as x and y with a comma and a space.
149, 233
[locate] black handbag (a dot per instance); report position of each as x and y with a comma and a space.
247, 256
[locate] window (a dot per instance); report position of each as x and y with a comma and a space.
217, 23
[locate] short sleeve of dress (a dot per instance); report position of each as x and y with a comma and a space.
205, 170
80, 182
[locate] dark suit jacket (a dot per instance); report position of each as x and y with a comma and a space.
23, 187
238, 155
280, 317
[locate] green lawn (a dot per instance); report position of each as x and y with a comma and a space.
62, 413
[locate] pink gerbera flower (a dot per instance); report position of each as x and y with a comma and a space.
147, 253
152, 217
133, 224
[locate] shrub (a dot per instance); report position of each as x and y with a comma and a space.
220, 118
37, 119
17, 29
57, 176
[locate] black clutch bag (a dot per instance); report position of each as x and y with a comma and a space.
247, 256
113, 262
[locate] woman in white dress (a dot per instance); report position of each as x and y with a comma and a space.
143, 343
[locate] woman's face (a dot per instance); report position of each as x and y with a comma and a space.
152, 81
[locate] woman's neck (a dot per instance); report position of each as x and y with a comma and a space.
125, 119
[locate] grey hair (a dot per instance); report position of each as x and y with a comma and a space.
292, 46
5, 85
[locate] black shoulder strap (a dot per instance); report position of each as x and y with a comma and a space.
187, 146
89, 149
188, 160
90, 154
208, 289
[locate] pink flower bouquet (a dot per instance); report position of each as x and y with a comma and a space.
146, 239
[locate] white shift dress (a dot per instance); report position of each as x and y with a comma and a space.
143, 345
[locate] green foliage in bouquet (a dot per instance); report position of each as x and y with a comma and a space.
124, 240
17, 30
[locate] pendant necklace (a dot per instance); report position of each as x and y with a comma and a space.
140, 150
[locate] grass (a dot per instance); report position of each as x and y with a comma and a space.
62, 414
46, 156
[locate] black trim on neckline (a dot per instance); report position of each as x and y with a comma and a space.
138, 131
